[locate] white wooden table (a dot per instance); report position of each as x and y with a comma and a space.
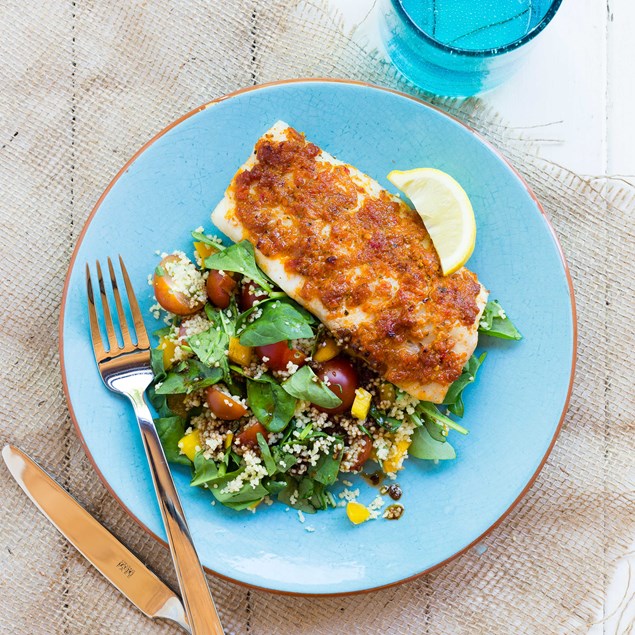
576, 94
576, 89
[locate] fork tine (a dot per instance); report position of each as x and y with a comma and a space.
123, 324
139, 326
95, 335
110, 329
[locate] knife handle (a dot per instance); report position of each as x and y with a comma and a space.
197, 599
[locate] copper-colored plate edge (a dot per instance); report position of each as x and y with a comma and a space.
355, 83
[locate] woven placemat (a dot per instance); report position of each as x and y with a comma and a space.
85, 84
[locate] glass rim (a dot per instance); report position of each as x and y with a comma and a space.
491, 52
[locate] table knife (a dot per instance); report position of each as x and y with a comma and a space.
111, 558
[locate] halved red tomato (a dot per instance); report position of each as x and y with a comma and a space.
277, 356
168, 295
220, 287
223, 406
249, 295
342, 379
247, 437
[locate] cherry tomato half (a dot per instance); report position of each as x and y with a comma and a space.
165, 291
249, 295
223, 406
343, 381
278, 355
365, 450
220, 286
246, 438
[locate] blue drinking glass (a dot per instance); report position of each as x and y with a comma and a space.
461, 47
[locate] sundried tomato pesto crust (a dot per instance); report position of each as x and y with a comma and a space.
357, 257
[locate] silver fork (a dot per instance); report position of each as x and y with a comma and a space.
126, 370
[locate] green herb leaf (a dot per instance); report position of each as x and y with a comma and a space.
438, 433
431, 413
246, 493
229, 321
291, 491
309, 318
174, 384
279, 321
306, 431
495, 322
205, 470
158, 402
270, 404
212, 314
210, 347
171, 430
224, 319
239, 258
156, 363
321, 498
283, 460
265, 454
305, 384
274, 295
389, 423
190, 375
327, 468
274, 486
162, 331
306, 488
241, 506
454, 397
365, 430
202, 238
423, 446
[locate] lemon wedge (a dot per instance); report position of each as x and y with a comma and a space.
446, 212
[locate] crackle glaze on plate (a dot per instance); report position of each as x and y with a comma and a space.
513, 411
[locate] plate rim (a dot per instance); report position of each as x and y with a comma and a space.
317, 80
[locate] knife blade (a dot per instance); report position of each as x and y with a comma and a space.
109, 556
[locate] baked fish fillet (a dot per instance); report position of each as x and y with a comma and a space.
357, 257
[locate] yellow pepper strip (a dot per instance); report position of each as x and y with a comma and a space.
238, 353
326, 349
396, 456
255, 504
357, 513
228, 440
204, 250
190, 444
361, 405
168, 346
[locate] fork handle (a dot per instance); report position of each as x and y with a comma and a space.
197, 599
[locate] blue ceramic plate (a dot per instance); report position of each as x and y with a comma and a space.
513, 412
